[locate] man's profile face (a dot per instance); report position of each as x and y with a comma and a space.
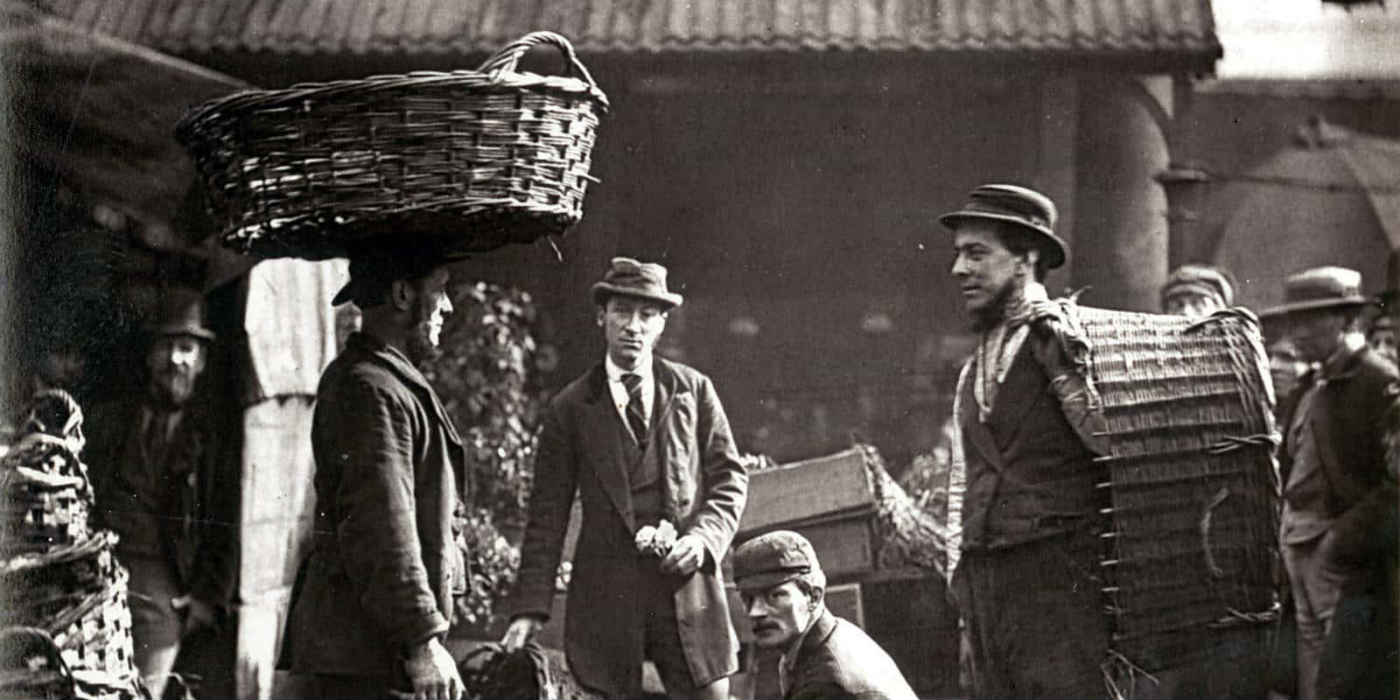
1316, 333
1285, 367
632, 326
431, 307
985, 269
780, 614
1192, 305
174, 363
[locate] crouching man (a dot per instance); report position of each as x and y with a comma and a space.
824, 656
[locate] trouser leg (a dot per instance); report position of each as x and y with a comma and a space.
155, 624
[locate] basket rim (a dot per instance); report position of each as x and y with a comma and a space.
230, 105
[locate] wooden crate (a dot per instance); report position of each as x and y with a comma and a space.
815, 489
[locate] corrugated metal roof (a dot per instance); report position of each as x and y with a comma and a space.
1182, 28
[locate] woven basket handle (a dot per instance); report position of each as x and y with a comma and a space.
506, 59
1205, 527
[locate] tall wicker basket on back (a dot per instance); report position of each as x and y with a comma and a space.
1191, 543
469, 159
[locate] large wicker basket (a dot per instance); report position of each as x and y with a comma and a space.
1191, 547
44, 497
470, 159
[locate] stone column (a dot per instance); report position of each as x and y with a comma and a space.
1121, 239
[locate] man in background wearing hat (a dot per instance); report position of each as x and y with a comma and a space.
646, 445
1338, 524
387, 564
1196, 290
164, 486
823, 656
1027, 418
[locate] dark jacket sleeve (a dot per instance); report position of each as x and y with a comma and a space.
216, 561
725, 479
1368, 527
375, 532
551, 498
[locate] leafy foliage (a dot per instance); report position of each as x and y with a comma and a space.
484, 380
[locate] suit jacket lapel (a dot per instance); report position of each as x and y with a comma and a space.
666, 384
604, 432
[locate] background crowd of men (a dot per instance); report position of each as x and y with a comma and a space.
645, 445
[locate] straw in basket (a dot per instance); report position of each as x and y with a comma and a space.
470, 160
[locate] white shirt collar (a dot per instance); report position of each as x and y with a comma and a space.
615, 373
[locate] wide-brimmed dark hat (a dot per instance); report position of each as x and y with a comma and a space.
1018, 205
772, 559
374, 266
1320, 288
180, 312
1196, 278
634, 278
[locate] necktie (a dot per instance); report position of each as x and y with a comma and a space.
636, 416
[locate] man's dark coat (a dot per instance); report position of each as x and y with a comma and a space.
1348, 418
197, 530
704, 487
386, 564
838, 660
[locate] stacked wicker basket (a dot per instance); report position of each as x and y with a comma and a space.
1191, 534
465, 161
65, 627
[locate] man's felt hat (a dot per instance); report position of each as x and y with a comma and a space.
772, 559
180, 311
1017, 205
633, 278
376, 265
1320, 288
1204, 280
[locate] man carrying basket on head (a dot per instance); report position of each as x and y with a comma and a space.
378, 589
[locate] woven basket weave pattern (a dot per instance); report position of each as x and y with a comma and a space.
478, 159
1192, 537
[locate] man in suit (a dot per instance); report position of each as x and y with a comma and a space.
163, 485
1338, 528
645, 443
823, 656
387, 563
1028, 422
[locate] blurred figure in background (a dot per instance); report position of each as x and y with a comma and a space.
1285, 367
155, 465
1381, 337
1195, 290
1338, 524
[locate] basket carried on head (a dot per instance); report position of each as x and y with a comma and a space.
1192, 539
472, 160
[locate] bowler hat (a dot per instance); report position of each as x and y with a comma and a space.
1205, 280
772, 559
1320, 288
374, 266
180, 312
1017, 205
634, 278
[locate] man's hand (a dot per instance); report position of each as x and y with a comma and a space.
197, 613
433, 673
522, 629
687, 554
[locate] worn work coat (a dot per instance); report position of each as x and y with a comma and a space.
386, 564
704, 487
838, 661
194, 524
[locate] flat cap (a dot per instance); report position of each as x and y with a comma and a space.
772, 559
